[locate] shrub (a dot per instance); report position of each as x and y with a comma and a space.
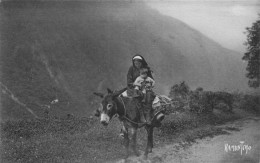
179, 91
180, 94
222, 106
199, 101
250, 103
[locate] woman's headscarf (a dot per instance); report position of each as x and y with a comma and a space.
141, 59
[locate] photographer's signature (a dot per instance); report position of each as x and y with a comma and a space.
240, 147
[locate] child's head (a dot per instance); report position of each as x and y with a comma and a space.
143, 72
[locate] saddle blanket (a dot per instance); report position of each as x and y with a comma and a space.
158, 101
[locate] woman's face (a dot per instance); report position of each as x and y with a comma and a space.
144, 75
137, 64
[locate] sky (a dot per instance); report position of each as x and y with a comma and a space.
224, 21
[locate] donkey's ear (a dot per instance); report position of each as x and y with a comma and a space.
109, 91
98, 94
117, 93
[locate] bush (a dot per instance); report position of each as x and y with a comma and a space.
199, 101
180, 94
250, 103
222, 106
179, 91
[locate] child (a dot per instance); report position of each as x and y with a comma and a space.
143, 82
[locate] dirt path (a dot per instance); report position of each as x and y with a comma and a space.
212, 150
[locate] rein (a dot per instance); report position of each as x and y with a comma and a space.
129, 120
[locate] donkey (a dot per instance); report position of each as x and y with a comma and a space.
128, 112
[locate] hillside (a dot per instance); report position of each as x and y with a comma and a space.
67, 50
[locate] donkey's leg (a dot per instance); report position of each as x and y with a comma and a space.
126, 141
134, 133
149, 145
150, 140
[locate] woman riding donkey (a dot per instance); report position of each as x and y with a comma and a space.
139, 84
129, 109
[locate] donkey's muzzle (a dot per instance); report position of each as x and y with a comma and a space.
104, 119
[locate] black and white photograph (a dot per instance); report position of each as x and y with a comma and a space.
129, 81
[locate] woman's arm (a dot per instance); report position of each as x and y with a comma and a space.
150, 73
151, 81
130, 79
138, 81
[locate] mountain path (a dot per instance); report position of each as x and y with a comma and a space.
212, 150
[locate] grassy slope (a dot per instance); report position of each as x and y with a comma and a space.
85, 140
78, 139
68, 50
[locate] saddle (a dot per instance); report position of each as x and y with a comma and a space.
156, 102
158, 110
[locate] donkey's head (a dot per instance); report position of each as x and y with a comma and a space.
108, 107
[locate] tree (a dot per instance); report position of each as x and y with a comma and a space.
252, 56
